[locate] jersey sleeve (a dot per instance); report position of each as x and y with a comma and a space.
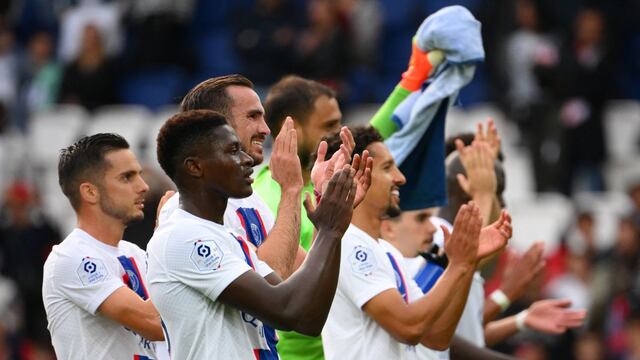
362, 274
205, 263
85, 280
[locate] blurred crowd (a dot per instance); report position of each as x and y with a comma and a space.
551, 68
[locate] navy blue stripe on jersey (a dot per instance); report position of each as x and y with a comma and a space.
132, 276
400, 283
253, 226
269, 333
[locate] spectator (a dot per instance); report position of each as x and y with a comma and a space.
26, 238
90, 80
159, 32
8, 67
584, 83
363, 19
634, 194
529, 53
322, 48
264, 39
616, 287
39, 76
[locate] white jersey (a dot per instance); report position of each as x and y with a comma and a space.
470, 327
367, 268
191, 261
249, 217
79, 275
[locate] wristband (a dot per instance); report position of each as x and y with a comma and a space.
520, 318
499, 297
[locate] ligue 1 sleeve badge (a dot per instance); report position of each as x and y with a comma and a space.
362, 260
206, 255
91, 271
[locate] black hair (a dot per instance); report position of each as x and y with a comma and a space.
84, 160
182, 134
211, 94
293, 96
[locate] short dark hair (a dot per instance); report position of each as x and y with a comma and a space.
211, 94
181, 134
293, 96
362, 135
84, 160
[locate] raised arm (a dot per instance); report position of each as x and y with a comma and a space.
410, 323
421, 65
518, 274
302, 302
550, 316
280, 248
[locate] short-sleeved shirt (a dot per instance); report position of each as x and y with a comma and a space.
79, 275
250, 217
367, 268
292, 345
191, 261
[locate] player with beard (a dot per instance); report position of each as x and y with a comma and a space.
211, 289
93, 290
378, 311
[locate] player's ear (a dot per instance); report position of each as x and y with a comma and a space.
89, 193
193, 166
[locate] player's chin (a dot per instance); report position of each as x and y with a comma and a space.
243, 192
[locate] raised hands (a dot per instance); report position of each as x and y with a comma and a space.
323, 169
334, 211
552, 316
461, 246
285, 163
490, 137
494, 237
478, 162
521, 270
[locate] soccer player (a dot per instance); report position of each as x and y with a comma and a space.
378, 311
213, 292
275, 239
93, 289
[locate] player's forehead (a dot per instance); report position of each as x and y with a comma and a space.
380, 154
244, 100
121, 160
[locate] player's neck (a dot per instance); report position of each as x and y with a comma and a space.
367, 220
206, 207
103, 228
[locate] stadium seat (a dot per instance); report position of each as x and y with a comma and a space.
545, 218
148, 156
215, 54
607, 208
153, 88
129, 121
52, 130
622, 129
